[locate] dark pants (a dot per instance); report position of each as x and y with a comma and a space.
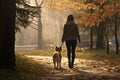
71, 46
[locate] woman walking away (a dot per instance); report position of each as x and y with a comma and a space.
70, 36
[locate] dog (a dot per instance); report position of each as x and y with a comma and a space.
57, 57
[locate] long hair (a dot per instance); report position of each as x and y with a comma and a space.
70, 18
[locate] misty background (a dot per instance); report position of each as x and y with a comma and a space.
52, 27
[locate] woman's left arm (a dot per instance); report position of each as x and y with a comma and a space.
78, 35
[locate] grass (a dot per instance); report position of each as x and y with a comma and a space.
83, 53
97, 55
27, 69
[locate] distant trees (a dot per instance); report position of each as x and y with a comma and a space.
105, 11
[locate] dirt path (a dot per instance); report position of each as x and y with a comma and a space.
83, 70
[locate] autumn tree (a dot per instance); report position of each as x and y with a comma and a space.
112, 12
105, 10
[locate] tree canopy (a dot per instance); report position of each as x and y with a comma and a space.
90, 12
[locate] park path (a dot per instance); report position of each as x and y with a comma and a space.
83, 69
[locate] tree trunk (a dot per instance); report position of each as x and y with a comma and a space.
106, 31
7, 36
107, 41
100, 36
91, 38
40, 46
117, 43
116, 37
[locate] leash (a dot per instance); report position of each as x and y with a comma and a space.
61, 44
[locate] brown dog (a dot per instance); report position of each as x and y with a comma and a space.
57, 58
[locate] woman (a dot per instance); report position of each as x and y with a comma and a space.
70, 36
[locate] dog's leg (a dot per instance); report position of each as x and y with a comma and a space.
54, 63
57, 64
60, 64
60, 61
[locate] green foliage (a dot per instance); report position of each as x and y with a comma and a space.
25, 13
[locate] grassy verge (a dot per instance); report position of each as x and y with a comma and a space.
96, 54
83, 54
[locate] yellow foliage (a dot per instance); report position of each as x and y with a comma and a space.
80, 7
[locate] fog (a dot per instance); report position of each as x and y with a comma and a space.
53, 23
52, 28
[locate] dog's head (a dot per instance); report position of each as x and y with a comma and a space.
59, 49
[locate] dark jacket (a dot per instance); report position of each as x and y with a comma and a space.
70, 31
